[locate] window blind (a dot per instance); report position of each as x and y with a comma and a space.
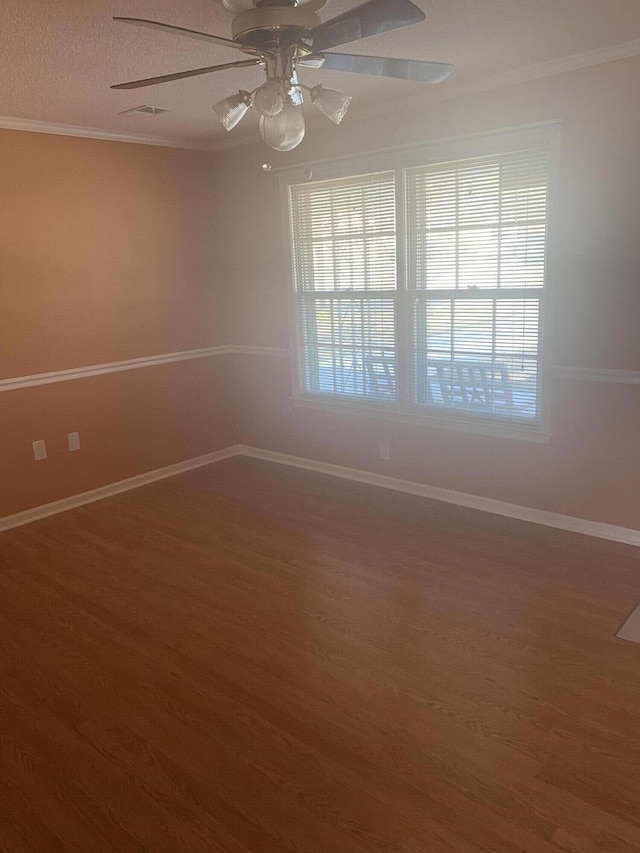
344, 258
476, 236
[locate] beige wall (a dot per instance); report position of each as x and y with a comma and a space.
591, 466
112, 251
104, 255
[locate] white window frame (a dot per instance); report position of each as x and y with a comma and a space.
398, 160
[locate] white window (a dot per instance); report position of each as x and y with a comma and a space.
419, 290
344, 238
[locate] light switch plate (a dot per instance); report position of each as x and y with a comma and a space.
73, 440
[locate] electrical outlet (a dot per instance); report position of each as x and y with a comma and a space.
384, 451
39, 450
73, 440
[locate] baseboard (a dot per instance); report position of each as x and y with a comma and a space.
535, 516
45, 510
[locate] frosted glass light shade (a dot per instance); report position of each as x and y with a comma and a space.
284, 131
269, 98
232, 109
332, 103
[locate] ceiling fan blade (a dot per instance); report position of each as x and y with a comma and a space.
368, 19
180, 75
181, 31
384, 66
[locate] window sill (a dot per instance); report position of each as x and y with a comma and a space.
479, 426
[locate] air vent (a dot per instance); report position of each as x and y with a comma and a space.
144, 111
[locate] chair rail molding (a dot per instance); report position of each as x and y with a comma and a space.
578, 374
67, 375
598, 374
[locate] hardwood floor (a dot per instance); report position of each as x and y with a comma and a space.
254, 658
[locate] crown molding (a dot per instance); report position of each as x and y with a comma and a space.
450, 91
33, 126
551, 67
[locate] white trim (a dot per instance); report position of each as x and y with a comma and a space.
411, 154
109, 367
573, 62
13, 384
451, 91
241, 349
44, 511
534, 516
582, 374
523, 513
33, 126
597, 374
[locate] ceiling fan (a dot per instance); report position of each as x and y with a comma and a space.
285, 35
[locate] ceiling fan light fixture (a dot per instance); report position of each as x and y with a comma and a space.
269, 98
282, 35
232, 109
330, 102
284, 131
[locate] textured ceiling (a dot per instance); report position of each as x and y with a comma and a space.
59, 57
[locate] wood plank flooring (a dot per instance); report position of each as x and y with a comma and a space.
250, 658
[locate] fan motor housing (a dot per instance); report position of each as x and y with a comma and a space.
269, 27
